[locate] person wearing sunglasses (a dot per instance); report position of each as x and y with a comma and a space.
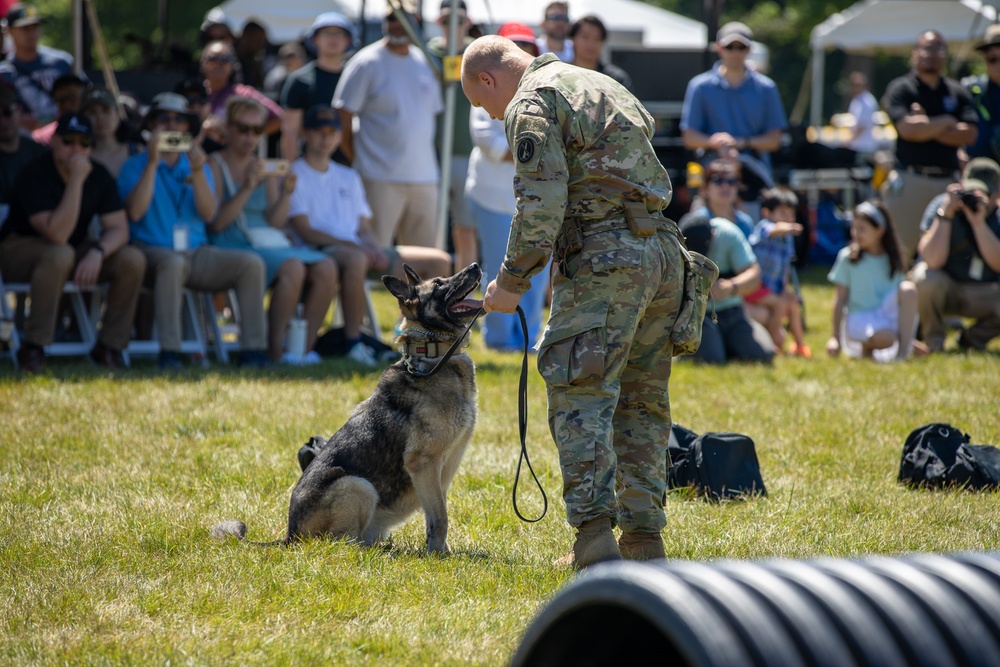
46, 241
732, 110
222, 72
555, 31
169, 195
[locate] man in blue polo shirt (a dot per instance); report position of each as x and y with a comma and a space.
732, 110
169, 197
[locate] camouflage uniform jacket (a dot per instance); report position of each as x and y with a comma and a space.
581, 144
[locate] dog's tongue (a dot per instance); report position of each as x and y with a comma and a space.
468, 304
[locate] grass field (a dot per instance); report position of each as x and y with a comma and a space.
109, 483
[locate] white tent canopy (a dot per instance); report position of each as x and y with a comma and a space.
893, 25
626, 20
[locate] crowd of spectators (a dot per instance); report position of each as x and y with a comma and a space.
309, 168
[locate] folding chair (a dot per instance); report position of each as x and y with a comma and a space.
193, 339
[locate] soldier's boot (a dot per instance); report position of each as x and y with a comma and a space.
595, 543
641, 546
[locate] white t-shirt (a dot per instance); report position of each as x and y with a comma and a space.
396, 99
863, 107
566, 55
334, 200
490, 179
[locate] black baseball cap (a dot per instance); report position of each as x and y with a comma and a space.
321, 115
74, 123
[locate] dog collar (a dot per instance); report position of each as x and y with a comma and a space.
422, 357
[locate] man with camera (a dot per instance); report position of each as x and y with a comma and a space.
959, 264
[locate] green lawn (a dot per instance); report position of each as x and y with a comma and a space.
109, 484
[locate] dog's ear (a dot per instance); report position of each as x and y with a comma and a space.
411, 275
397, 287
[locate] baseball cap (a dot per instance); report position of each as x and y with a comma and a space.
984, 171
98, 96
970, 184
447, 4
516, 32
734, 31
991, 38
320, 115
22, 15
330, 20
74, 123
176, 103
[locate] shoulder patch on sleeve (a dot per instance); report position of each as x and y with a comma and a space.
529, 142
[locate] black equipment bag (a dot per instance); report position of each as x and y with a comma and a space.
939, 455
720, 466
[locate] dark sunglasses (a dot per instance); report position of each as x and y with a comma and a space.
197, 100
247, 129
561, 18
719, 180
76, 140
735, 46
169, 117
220, 59
8, 111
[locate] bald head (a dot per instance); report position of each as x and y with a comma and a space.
492, 67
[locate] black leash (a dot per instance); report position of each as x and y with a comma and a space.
451, 350
522, 427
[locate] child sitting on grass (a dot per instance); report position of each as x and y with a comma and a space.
773, 242
881, 306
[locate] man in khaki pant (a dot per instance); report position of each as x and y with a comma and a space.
45, 242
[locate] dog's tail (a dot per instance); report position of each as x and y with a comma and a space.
233, 528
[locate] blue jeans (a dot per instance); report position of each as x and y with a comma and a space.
500, 330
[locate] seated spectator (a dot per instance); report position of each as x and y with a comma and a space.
67, 93
169, 197
879, 303
32, 67
720, 195
959, 264
732, 337
773, 303
588, 36
196, 94
291, 57
16, 149
329, 211
113, 141
223, 80
45, 242
253, 199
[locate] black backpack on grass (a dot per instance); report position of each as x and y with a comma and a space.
719, 466
939, 456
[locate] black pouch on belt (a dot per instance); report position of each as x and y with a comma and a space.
640, 221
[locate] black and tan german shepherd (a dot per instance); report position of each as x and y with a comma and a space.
399, 449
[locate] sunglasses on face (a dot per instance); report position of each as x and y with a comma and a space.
8, 111
243, 128
560, 18
735, 46
76, 140
167, 118
225, 60
722, 180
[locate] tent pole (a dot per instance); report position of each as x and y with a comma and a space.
816, 107
78, 37
448, 128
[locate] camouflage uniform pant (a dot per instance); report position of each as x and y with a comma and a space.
606, 358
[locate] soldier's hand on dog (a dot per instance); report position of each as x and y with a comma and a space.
499, 300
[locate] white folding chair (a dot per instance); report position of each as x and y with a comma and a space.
193, 339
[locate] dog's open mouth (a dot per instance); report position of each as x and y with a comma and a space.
465, 307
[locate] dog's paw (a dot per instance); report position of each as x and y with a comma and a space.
230, 528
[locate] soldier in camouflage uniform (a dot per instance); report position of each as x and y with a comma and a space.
589, 191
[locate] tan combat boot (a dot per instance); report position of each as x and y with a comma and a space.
595, 543
641, 546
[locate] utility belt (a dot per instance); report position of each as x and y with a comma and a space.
632, 216
932, 172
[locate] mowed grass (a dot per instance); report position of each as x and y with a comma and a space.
109, 484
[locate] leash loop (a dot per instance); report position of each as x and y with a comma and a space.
522, 427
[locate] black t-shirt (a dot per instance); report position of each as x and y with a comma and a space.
965, 263
11, 164
308, 86
948, 98
39, 187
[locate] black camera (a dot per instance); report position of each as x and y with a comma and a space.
969, 198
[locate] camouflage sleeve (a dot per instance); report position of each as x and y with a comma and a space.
541, 189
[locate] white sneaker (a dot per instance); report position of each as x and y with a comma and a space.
362, 354
312, 358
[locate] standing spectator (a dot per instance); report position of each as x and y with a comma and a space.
463, 236
391, 89
329, 211
959, 271
315, 83
221, 69
555, 26
169, 197
734, 109
45, 242
251, 199
16, 149
985, 91
253, 52
113, 143
216, 27
291, 56
67, 93
588, 36
33, 68
934, 117
862, 108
